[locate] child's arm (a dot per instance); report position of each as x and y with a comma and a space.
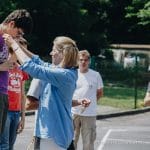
22, 120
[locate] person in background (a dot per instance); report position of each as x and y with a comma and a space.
90, 86
16, 99
16, 24
147, 96
33, 96
54, 123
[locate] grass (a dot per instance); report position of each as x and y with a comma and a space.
121, 97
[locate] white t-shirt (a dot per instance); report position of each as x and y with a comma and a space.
87, 85
35, 88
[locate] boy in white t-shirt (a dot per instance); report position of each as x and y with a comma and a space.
90, 86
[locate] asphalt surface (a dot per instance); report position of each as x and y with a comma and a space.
114, 130
130, 132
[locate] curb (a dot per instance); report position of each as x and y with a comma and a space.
109, 115
123, 113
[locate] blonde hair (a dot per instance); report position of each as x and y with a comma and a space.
84, 53
69, 49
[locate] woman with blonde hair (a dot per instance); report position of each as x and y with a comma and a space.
54, 121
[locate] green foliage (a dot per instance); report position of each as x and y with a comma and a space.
140, 10
144, 14
6, 6
117, 27
51, 18
138, 17
92, 23
113, 72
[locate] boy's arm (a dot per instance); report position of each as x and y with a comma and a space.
33, 94
23, 100
84, 102
32, 103
99, 93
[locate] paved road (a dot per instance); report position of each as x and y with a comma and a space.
124, 133
120, 133
25, 137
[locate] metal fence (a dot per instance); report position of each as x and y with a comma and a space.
129, 71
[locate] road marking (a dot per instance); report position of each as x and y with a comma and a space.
100, 147
128, 141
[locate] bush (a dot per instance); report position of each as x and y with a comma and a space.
114, 72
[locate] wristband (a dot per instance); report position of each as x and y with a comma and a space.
15, 46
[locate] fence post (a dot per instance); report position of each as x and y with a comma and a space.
135, 82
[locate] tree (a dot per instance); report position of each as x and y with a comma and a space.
4, 11
93, 25
140, 10
138, 14
51, 18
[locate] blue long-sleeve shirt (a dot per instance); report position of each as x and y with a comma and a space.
54, 114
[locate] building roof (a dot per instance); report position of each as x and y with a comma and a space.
131, 46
